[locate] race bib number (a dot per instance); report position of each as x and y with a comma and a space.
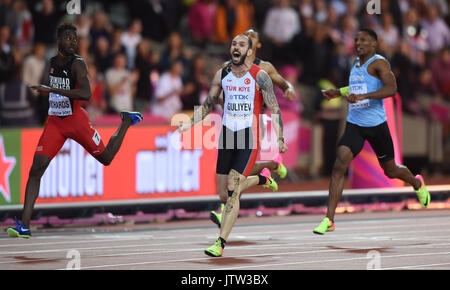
59, 105
359, 89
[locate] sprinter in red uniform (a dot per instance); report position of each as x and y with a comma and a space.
69, 85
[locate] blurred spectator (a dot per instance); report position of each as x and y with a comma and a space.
130, 39
261, 7
415, 37
84, 49
33, 67
145, 65
321, 11
438, 33
201, 21
45, 20
24, 33
290, 73
329, 114
349, 26
389, 32
282, 23
168, 90
116, 45
423, 87
233, 17
341, 65
440, 70
83, 24
96, 106
393, 8
102, 54
7, 61
339, 6
174, 51
100, 27
152, 15
196, 83
16, 103
121, 85
8, 15
405, 71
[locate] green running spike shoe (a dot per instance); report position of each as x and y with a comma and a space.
281, 170
215, 250
217, 217
325, 226
271, 183
422, 193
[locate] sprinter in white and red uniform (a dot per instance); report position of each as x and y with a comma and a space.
245, 88
239, 140
69, 85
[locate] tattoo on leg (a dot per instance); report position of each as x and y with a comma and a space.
231, 200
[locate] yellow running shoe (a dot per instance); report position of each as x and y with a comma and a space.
281, 169
325, 226
215, 250
422, 193
271, 183
217, 217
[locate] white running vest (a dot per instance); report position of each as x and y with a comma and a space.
242, 101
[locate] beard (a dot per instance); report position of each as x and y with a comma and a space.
242, 59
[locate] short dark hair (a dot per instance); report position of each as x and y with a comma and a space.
63, 28
372, 33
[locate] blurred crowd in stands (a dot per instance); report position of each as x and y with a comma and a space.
158, 56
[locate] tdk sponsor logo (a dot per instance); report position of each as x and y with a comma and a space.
239, 97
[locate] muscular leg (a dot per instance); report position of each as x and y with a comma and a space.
40, 164
114, 143
235, 181
221, 184
393, 170
344, 157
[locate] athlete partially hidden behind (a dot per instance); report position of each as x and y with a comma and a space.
371, 80
69, 85
245, 87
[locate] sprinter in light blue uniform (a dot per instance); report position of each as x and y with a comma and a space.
368, 112
371, 80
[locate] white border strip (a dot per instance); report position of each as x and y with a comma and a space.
246, 197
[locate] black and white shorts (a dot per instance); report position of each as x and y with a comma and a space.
237, 150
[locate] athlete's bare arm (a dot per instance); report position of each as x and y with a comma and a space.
282, 83
380, 69
80, 73
208, 105
265, 84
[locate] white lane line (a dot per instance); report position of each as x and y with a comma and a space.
333, 260
248, 255
332, 237
415, 266
237, 232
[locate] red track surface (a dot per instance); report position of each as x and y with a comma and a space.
391, 240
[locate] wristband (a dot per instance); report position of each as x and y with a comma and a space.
344, 91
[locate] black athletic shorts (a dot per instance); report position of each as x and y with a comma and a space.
379, 137
237, 150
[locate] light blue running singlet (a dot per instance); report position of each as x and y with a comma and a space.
368, 112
